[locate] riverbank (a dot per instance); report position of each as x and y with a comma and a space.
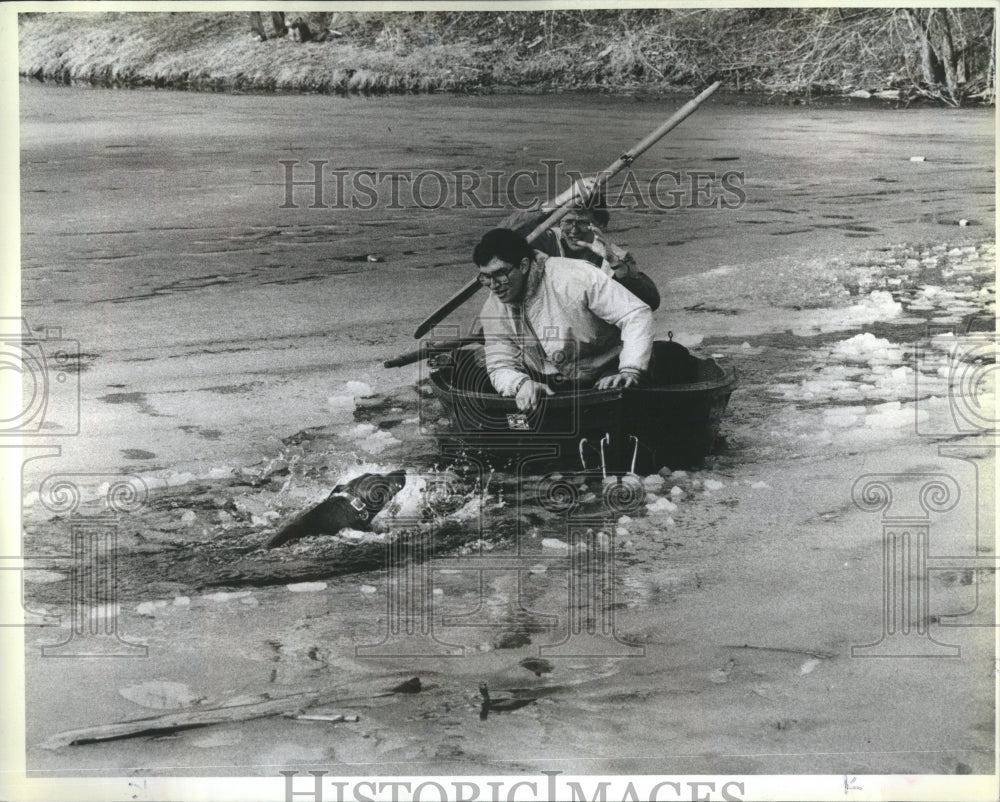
802, 53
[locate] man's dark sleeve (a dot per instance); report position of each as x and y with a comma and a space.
643, 288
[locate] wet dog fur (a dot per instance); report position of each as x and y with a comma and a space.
349, 505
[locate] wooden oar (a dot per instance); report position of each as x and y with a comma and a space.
601, 179
427, 349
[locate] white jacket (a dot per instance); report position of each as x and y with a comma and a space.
573, 321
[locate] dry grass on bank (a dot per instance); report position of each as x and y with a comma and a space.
944, 55
217, 51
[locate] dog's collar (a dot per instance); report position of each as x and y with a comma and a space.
359, 506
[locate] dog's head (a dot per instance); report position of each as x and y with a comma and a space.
374, 490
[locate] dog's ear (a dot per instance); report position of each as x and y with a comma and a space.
349, 487
360, 481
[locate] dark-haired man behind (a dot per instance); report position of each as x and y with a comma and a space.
552, 322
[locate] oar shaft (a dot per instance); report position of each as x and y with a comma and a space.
676, 118
622, 162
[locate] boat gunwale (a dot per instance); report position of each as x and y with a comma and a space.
727, 382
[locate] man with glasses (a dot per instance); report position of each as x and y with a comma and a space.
579, 236
553, 323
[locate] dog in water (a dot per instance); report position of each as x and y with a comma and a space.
351, 505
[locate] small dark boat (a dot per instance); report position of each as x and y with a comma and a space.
672, 420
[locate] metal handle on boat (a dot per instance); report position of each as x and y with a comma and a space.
606, 440
604, 466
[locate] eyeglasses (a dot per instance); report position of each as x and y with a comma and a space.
501, 278
574, 222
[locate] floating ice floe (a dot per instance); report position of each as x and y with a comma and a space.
360, 536
866, 348
306, 587
554, 544
149, 608
360, 389
864, 367
653, 483
178, 478
370, 438
341, 406
952, 302
877, 306
160, 695
662, 505
224, 596
808, 666
713, 484
818, 295
472, 509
